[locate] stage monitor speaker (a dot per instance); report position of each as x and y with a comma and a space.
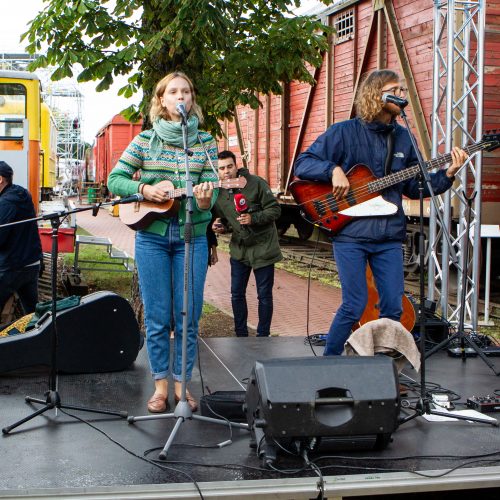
322, 403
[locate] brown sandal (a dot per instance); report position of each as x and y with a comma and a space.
158, 403
193, 404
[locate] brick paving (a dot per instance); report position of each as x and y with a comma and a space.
292, 301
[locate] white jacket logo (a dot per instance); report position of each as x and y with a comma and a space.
399, 155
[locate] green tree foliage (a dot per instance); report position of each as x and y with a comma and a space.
230, 49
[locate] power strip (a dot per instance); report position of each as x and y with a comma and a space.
484, 404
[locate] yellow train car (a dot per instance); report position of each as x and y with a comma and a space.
20, 128
48, 170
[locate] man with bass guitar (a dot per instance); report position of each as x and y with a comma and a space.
374, 233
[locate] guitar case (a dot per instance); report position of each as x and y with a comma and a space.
101, 334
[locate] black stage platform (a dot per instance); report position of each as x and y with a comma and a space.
73, 459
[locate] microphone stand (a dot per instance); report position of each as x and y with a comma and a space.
52, 398
423, 406
183, 410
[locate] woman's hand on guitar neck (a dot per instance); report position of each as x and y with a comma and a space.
340, 183
458, 159
203, 194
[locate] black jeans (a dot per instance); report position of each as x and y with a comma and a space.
264, 279
23, 281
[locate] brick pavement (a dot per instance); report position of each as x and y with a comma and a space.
290, 291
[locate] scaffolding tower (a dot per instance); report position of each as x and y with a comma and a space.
66, 103
459, 30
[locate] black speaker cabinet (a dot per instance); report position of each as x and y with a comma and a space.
322, 403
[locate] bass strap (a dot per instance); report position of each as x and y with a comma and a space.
390, 151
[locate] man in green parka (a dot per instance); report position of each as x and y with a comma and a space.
249, 214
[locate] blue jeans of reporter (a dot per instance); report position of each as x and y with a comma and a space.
386, 262
264, 280
160, 265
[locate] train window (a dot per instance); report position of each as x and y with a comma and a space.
12, 110
344, 26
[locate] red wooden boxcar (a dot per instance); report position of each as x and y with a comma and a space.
370, 34
110, 142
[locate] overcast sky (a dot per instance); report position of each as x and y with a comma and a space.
99, 107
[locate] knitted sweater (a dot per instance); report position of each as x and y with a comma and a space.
170, 165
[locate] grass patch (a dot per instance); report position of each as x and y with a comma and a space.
118, 282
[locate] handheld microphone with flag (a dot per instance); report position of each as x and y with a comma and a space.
241, 206
398, 101
240, 203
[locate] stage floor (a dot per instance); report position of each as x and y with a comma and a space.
104, 457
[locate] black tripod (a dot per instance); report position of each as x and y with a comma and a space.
423, 406
460, 334
52, 398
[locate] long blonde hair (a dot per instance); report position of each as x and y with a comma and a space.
156, 109
369, 99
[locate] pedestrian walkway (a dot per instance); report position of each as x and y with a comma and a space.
294, 306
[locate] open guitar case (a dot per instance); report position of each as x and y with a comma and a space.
99, 334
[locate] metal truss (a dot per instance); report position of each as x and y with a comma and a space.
457, 120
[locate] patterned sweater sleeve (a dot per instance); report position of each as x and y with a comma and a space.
120, 179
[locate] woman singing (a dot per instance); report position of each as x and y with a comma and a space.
159, 249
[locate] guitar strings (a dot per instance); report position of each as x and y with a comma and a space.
361, 188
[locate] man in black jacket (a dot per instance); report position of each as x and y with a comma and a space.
20, 247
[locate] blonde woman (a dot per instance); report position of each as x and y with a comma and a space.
158, 154
376, 240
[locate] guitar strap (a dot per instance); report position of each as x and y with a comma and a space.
390, 151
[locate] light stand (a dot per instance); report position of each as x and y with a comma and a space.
460, 334
423, 406
52, 398
183, 410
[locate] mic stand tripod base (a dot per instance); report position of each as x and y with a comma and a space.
181, 413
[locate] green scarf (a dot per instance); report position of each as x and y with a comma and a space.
169, 132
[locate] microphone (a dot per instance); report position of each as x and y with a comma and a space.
241, 206
181, 109
128, 199
240, 203
398, 101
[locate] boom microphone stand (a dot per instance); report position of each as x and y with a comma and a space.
52, 398
423, 406
183, 410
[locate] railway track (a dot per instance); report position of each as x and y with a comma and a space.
319, 256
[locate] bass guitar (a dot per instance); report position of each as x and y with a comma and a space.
319, 207
141, 214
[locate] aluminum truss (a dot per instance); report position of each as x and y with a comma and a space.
457, 120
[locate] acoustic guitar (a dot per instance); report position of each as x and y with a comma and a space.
141, 214
319, 207
372, 309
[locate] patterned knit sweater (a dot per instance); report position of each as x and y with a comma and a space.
170, 165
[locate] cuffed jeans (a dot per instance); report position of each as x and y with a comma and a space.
24, 282
386, 262
264, 279
160, 265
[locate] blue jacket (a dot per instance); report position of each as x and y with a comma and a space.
351, 142
19, 244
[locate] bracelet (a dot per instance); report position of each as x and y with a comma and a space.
141, 188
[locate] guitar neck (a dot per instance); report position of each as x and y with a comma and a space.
409, 173
180, 192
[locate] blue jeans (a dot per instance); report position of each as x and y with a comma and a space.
23, 281
386, 262
160, 265
264, 279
